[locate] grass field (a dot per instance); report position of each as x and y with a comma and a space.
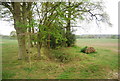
100, 65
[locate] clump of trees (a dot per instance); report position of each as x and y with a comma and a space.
49, 24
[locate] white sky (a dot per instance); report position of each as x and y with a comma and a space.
111, 9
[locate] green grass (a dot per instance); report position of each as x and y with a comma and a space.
100, 65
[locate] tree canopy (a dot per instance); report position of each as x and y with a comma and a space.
49, 24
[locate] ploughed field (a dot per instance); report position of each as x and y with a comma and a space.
100, 65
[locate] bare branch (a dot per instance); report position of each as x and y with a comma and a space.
6, 4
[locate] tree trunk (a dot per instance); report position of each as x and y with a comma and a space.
34, 39
30, 28
20, 12
22, 47
19, 30
48, 41
30, 38
39, 44
68, 32
68, 28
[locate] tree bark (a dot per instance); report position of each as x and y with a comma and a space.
48, 41
19, 30
22, 47
39, 45
30, 38
33, 38
39, 49
30, 28
68, 28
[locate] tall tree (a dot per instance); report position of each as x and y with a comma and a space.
19, 11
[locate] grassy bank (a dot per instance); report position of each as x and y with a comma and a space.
100, 65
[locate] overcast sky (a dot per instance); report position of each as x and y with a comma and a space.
111, 9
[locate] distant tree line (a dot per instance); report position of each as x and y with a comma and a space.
97, 36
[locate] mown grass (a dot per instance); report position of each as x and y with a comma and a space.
100, 65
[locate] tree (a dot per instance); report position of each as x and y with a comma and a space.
47, 23
19, 12
53, 22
